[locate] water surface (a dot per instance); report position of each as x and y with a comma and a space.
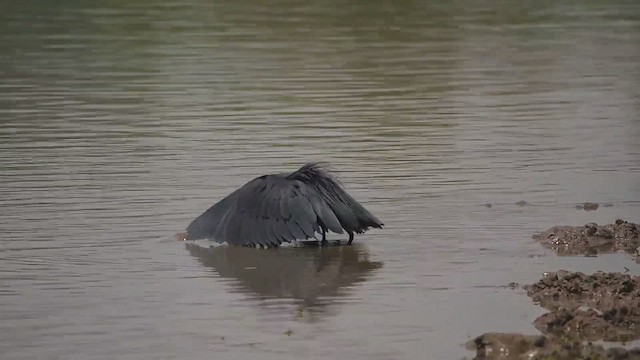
119, 123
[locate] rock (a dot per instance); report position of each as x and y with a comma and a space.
521, 203
588, 206
591, 238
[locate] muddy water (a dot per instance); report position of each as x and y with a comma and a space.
120, 124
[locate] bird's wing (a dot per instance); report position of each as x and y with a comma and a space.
350, 214
268, 210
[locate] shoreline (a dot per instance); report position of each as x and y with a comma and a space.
582, 308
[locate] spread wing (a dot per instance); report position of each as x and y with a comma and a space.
268, 210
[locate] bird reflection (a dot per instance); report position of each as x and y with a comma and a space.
313, 277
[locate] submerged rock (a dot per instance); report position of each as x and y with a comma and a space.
588, 206
506, 346
601, 306
591, 238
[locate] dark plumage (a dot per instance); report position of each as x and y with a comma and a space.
272, 209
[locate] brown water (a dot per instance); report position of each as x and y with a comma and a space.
120, 123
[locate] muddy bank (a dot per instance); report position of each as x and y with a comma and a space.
505, 346
591, 239
601, 306
583, 308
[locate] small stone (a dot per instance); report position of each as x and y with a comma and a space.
590, 229
588, 206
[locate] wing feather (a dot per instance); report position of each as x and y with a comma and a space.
269, 223
302, 214
281, 216
252, 235
254, 225
326, 214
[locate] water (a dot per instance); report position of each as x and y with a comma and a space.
120, 123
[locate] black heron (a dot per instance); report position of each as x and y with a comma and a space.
284, 207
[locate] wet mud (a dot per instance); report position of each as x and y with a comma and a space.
592, 239
506, 346
600, 306
583, 308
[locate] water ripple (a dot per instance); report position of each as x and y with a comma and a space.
118, 130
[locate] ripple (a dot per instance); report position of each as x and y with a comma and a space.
117, 132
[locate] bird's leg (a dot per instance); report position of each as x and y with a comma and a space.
350, 238
324, 241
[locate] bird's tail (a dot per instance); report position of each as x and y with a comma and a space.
352, 216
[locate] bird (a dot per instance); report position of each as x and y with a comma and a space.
284, 207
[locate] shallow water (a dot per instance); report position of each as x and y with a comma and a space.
120, 124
